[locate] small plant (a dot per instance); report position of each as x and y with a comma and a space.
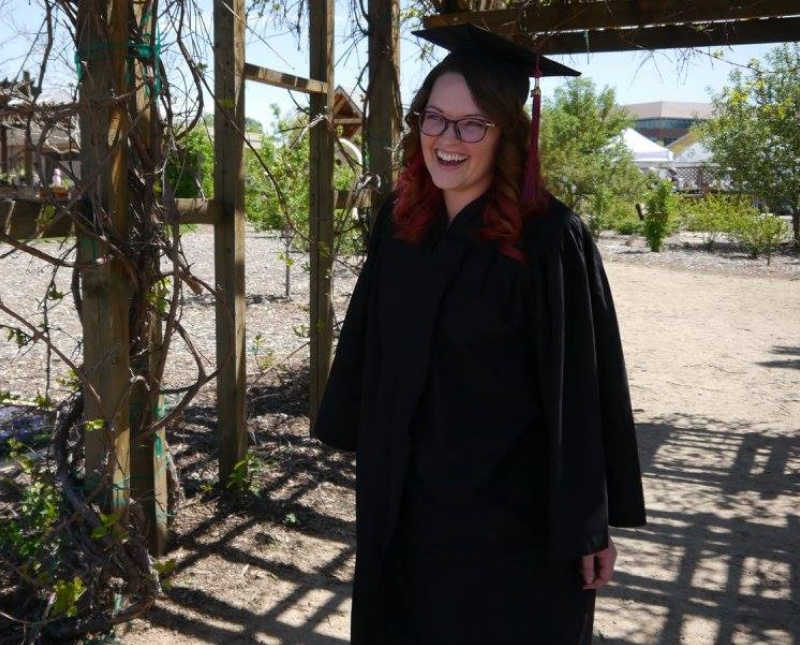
67, 593
240, 480
43, 401
630, 226
7, 397
265, 356
600, 206
759, 232
715, 215
25, 539
660, 205
70, 380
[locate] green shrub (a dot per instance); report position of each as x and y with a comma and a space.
660, 206
600, 203
716, 215
25, 539
190, 171
610, 211
758, 232
630, 226
286, 153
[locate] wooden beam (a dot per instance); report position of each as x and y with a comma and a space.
106, 289
607, 14
197, 211
321, 21
354, 120
27, 156
229, 231
24, 219
148, 453
362, 201
281, 79
776, 30
4, 149
385, 112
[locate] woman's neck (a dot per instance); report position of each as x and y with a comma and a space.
454, 201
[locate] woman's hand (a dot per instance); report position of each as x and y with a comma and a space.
597, 568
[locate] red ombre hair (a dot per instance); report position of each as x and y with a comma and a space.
497, 92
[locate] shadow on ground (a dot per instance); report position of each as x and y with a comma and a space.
729, 554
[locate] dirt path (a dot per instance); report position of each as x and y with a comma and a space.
712, 344
714, 366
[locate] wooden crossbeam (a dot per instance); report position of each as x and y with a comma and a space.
197, 211
281, 79
669, 37
614, 14
24, 219
362, 201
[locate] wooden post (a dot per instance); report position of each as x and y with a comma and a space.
148, 454
4, 149
384, 113
229, 28
321, 198
27, 156
106, 289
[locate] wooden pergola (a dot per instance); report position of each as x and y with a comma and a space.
556, 28
10, 91
562, 27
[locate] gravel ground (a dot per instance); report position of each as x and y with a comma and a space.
282, 323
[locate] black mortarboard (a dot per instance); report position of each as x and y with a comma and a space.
469, 39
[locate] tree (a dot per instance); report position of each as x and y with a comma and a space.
584, 159
190, 171
754, 136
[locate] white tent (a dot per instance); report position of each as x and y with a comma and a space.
696, 153
643, 149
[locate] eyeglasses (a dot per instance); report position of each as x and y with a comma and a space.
469, 129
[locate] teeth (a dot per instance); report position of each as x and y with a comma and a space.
449, 156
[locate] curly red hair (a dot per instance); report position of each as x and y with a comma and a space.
419, 201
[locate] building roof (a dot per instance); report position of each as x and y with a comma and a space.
669, 110
347, 113
680, 144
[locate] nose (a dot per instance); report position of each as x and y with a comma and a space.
450, 132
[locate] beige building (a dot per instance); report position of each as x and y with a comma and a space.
666, 121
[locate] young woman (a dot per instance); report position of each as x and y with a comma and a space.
480, 379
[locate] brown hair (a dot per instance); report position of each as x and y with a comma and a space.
499, 92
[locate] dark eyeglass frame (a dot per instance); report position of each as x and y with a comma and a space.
421, 117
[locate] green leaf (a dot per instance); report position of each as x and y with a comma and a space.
94, 424
67, 594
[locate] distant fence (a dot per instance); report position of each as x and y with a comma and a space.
687, 176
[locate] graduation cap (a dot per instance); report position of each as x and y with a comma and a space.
471, 40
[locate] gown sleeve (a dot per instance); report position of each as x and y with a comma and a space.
623, 475
338, 417
593, 474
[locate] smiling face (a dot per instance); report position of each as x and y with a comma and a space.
463, 171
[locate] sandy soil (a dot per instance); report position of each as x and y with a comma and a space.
713, 355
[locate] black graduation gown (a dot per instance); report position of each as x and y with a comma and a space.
588, 474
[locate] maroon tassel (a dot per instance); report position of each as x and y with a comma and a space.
531, 182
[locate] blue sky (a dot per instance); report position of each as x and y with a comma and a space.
651, 76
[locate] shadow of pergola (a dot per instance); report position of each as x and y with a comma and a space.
717, 562
723, 536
